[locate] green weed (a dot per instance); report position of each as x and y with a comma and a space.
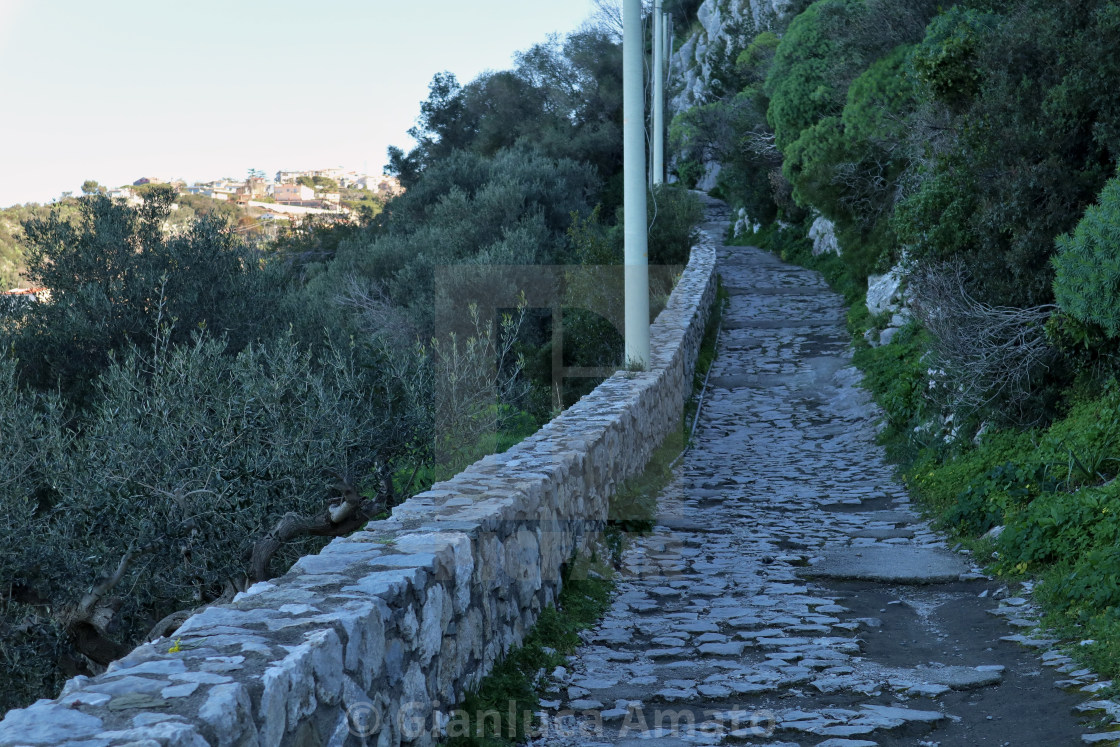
500, 712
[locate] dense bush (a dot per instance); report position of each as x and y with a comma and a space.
1018, 146
945, 64
674, 215
31, 642
976, 133
804, 83
162, 496
510, 209
116, 277
1087, 266
12, 240
734, 133
565, 98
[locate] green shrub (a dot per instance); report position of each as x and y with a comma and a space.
674, 218
1087, 266
897, 377
946, 62
115, 277
32, 644
806, 81
1013, 139
689, 172
1094, 581
467, 210
940, 476
811, 160
1083, 448
988, 501
838, 108
753, 63
1061, 526
186, 459
734, 133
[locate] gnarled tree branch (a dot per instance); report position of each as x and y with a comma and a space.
340, 517
983, 353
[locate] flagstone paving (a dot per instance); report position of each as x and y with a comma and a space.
790, 594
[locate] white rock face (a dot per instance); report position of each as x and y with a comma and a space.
885, 296
823, 235
886, 337
884, 292
711, 174
744, 224
726, 26
229, 712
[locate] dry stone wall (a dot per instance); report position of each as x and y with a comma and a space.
366, 642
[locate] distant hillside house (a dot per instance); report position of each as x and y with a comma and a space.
293, 193
253, 189
287, 177
350, 180
25, 294
126, 194
332, 174
257, 187
148, 180
385, 185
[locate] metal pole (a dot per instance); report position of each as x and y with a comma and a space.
667, 34
658, 75
636, 260
669, 43
668, 48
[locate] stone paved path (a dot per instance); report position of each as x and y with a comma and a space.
790, 595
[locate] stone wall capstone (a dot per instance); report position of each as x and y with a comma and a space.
371, 640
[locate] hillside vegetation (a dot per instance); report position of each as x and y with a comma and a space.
973, 145
191, 411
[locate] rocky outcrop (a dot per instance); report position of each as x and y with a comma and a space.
886, 295
367, 641
823, 235
725, 28
711, 176
884, 292
744, 224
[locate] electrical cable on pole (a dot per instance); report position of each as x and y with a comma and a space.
636, 254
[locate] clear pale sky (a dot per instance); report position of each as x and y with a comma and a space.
114, 90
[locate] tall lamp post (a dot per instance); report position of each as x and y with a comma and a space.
658, 77
636, 255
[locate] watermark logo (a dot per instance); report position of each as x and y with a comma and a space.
636, 721
364, 719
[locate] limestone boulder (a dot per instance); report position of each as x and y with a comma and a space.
823, 235
884, 292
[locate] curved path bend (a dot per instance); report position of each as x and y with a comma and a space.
790, 595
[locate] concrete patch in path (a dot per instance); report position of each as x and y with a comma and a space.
963, 678
882, 533
896, 517
890, 564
